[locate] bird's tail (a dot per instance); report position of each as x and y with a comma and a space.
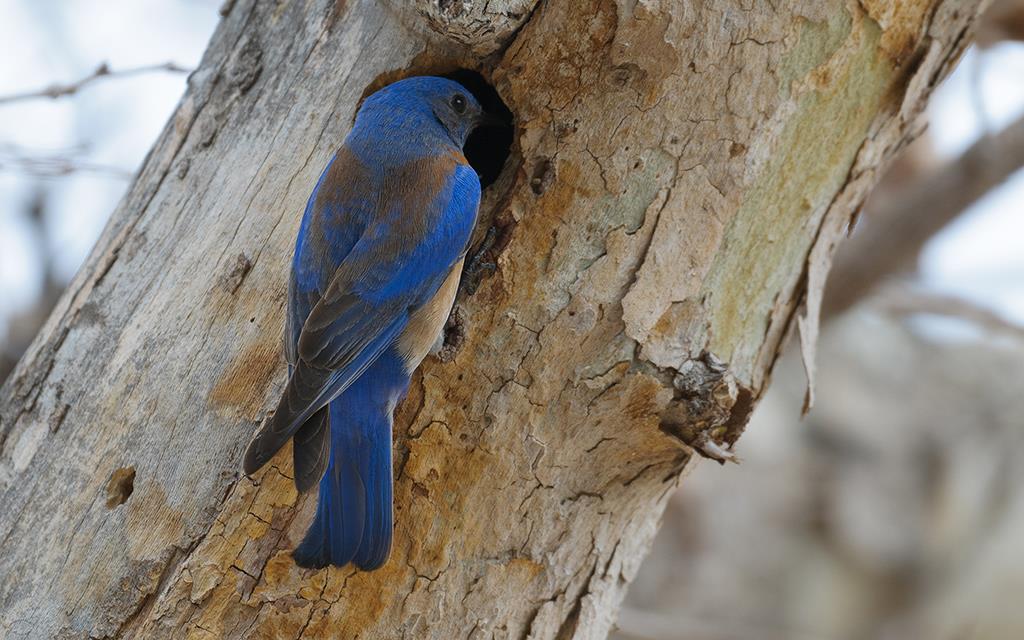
353, 515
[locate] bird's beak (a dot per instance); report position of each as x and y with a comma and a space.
485, 119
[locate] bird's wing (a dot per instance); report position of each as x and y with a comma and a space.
397, 265
340, 208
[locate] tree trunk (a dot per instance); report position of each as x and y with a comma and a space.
680, 175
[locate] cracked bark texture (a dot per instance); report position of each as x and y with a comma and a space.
681, 175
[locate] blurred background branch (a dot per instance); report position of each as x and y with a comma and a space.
23, 325
103, 71
1003, 21
54, 164
902, 301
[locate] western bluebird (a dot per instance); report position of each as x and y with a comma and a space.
377, 264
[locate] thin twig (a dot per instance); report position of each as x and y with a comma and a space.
904, 300
55, 91
55, 165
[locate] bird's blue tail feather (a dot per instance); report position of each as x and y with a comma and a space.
353, 520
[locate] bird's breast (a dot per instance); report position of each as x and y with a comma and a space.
426, 323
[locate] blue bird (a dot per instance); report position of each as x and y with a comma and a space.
377, 263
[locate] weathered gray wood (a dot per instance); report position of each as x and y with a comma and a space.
682, 170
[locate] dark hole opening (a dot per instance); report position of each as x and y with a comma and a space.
120, 486
488, 146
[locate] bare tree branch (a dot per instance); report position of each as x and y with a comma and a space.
55, 91
23, 324
892, 236
55, 164
905, 300
1004, 20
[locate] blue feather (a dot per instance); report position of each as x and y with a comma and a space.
354, 510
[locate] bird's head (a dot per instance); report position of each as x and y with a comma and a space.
427, 101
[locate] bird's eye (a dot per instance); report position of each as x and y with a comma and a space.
459, 103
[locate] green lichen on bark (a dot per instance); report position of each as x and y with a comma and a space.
837, 78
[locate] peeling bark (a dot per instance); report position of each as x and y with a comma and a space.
681, 172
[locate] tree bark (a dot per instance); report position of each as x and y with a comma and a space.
681, 175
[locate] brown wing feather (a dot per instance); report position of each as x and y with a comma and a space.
311, 448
